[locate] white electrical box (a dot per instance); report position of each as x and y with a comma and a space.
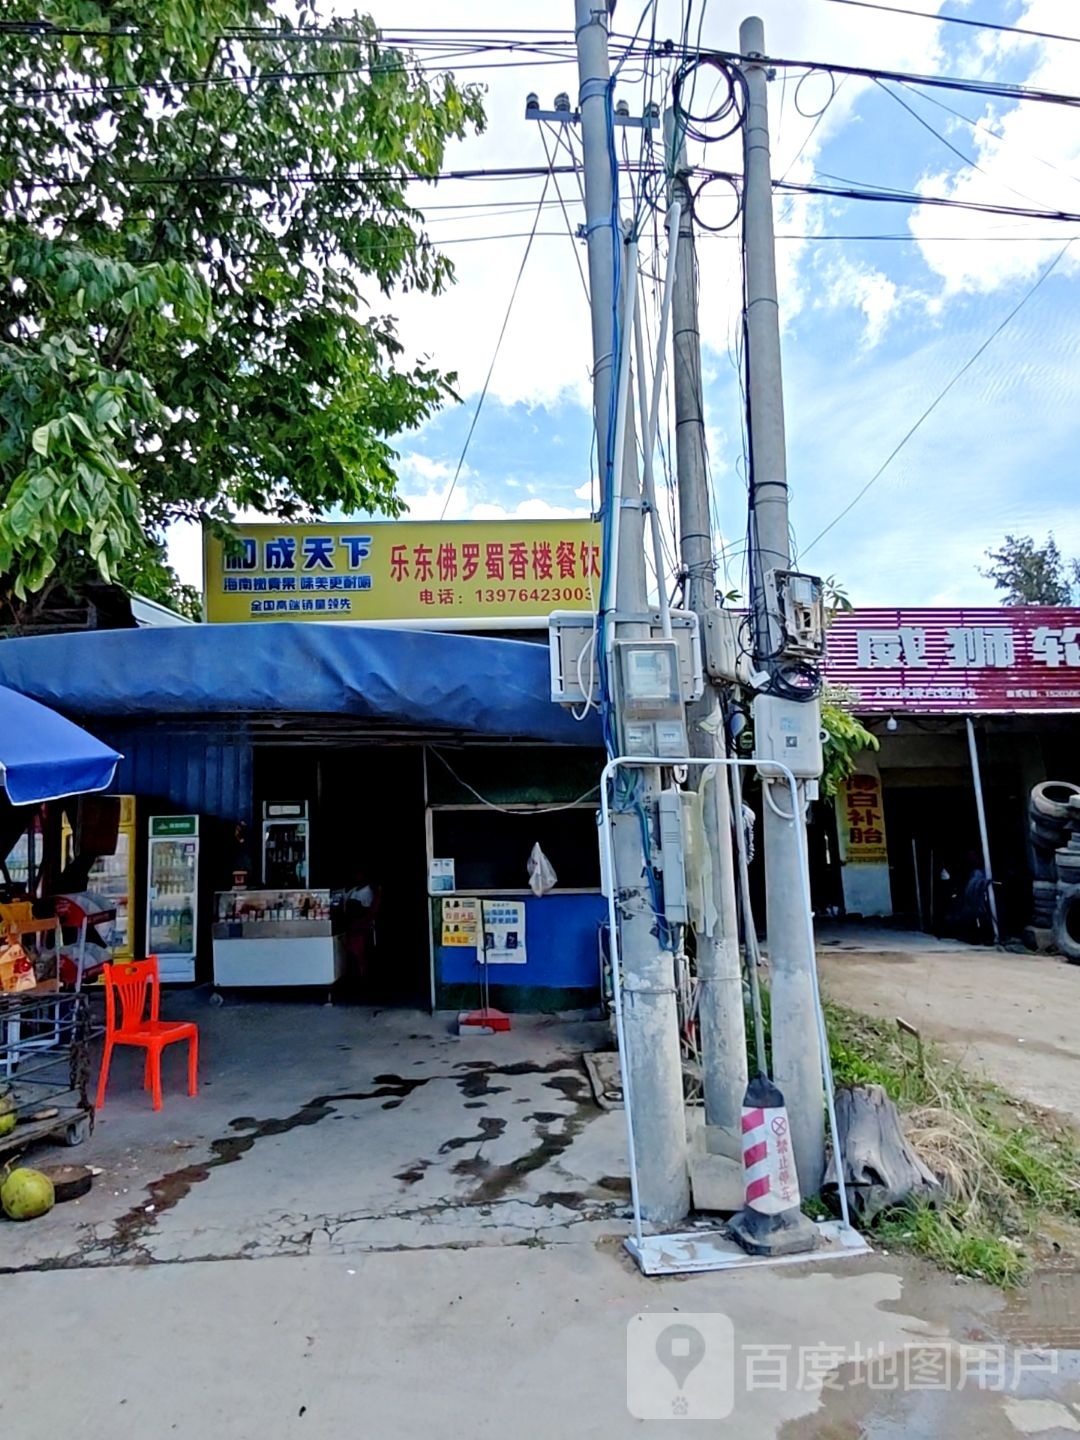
575, 666
672, 862
787, 732
798, 604
727, 638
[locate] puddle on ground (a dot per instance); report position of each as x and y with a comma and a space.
576, 1088
490, 1129
414, 1172
615, 1184
1045, 1314
496, 1181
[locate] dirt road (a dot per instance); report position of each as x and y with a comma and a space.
1013, 1018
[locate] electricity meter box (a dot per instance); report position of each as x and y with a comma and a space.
787, 732
650, 696
797, 602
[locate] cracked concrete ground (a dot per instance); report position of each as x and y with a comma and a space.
364, 1225
339, 1128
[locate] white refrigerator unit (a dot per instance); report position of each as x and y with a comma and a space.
285, 847
172, 894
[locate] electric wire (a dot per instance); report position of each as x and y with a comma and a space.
1002, 90
856, 191
967, 365
495, 353
566, 216
818, 118
959, 20
525, 811
937, 101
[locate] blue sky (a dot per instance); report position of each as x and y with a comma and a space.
872, 330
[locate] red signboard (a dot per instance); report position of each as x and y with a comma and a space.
939, 662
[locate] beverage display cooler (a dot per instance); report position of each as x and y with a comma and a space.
172, 894
286, 839
113, 878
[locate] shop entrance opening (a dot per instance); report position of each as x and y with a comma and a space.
365, 817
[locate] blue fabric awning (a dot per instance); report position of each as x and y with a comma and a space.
43, 756
415, 679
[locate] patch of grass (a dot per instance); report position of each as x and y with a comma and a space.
816, 1209
947, 1239
1007, 1167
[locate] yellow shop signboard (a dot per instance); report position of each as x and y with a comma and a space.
467, 574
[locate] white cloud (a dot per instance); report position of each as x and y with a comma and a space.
430, 503
866, 289
414, 465
535, 509
1025, 155
546, 353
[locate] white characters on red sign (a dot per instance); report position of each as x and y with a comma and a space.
980, 647
890, 649
1055, 647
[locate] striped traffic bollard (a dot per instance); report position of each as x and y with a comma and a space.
771, 1222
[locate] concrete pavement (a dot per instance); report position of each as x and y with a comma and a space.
489, 1341
363, 1225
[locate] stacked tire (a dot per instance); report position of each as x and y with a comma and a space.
1043, 903
1067, 923
1054, 817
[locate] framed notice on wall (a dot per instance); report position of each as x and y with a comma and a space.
461, 923
504, 932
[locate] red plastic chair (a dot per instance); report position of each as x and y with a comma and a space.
126, 1023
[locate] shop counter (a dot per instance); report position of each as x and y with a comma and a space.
276, 937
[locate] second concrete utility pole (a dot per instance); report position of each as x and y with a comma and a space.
795, 1042
720, 992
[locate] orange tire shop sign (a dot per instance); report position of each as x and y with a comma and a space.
468, 574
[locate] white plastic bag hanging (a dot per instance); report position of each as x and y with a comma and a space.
542, 877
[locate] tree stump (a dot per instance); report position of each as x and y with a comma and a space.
880, 1168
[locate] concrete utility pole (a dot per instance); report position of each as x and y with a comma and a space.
650, 1023
720, 994
796, 1054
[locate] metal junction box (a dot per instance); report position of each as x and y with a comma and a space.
797, 602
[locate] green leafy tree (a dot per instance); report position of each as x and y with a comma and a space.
846, 737
202, 213
1031, 574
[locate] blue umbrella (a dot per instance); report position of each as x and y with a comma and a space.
43, 756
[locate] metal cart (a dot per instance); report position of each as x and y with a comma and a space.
45, 1065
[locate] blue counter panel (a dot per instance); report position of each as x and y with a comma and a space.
560, 946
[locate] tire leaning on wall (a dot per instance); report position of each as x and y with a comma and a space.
1067, 923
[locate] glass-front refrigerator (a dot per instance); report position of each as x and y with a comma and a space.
172, 894
285, 846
